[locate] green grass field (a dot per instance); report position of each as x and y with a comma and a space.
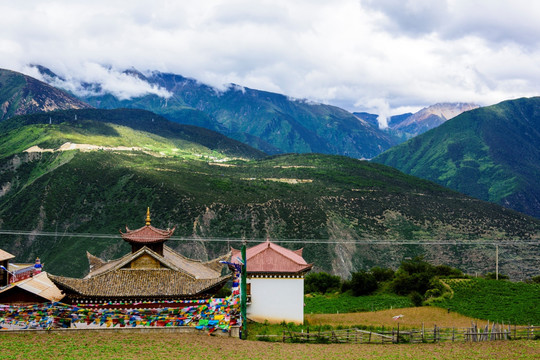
159, 345
499, 301
346, 303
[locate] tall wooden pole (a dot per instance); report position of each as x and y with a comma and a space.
496, 262
243, 294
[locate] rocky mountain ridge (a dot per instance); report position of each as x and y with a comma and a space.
405, 126
21, 94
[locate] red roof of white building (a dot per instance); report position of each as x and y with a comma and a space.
268, 257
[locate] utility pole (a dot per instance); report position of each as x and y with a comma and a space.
496, 262
243, 295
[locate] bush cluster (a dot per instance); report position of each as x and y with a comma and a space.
415, 278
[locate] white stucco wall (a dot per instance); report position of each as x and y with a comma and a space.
276, 300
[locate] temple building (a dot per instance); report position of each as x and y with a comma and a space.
24, 284
151, 272
275, 282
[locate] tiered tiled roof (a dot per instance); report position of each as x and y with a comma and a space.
177, 276
150, 270
268, 257
195, 269
139, 283
147, 234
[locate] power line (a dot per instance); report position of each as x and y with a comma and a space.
303, 241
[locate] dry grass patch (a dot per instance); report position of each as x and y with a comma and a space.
412, 318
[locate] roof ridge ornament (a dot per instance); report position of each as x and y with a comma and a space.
148, 216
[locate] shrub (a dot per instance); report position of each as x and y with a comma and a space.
382, 274
433, 293
363, 283
405, 283
493, 276
416, 298
321, 282
447, 271
416, 266
420, 276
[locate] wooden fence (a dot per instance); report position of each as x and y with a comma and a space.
396, 335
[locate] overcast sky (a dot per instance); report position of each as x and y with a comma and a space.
381, 56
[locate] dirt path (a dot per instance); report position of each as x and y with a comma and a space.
82, 147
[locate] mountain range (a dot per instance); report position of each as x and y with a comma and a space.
271, 122
491, 153
405, 126
21, 94
94, 171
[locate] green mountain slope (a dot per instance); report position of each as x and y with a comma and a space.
113, 128
21, 94
268, 121
491, 153
336, 200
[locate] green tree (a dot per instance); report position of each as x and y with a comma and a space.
382, 274
362, 283
416, 298
448, 271
413, 275
321, 282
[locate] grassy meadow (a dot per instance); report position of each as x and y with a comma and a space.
345, 303
500, 301
158, 345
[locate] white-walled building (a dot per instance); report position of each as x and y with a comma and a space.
275, 283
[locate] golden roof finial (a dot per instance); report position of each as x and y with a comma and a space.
148, 217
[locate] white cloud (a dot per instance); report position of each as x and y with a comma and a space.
101, 80
354, 54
